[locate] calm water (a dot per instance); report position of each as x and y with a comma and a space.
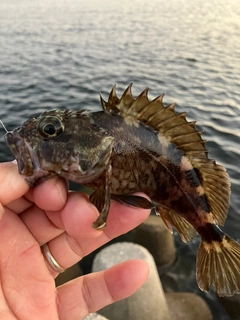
61, 54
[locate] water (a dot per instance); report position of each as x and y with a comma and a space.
60, 54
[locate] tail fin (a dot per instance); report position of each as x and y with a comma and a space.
218, 263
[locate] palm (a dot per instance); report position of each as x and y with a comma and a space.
26, 284
49, 214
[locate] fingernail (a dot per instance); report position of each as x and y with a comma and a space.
61, 191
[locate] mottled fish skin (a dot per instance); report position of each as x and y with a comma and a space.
138, 145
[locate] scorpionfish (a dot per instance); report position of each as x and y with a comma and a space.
133, 145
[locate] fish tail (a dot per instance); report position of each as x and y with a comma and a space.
218, 264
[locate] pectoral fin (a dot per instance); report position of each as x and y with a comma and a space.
101, 199
132, 200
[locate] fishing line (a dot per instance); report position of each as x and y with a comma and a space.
3, 126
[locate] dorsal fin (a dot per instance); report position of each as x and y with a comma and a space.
176, 129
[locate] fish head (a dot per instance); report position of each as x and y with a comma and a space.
64, 143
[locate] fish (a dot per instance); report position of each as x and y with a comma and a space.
138, 145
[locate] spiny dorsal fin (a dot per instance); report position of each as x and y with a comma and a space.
176, 129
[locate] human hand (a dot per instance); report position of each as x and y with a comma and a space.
48, 213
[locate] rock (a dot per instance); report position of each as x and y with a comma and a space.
154, 235
71, 273
232, 306
95, 316
187, 306
149, 301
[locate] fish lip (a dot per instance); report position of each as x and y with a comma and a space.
27, 158
20, 150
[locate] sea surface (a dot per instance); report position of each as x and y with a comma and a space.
62, 53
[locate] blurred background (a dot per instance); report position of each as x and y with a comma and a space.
62, 53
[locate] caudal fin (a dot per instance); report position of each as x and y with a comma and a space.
218, 264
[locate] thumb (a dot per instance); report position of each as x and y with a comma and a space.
12, 184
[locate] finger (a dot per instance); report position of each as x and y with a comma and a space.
13, 185
79, 238
50, 195
45, 227
78, 298
20, 205
39, 225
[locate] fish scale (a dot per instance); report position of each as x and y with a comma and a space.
138, 145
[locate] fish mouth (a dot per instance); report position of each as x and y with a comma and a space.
27, 159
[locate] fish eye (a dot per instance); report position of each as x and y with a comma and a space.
50, 127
